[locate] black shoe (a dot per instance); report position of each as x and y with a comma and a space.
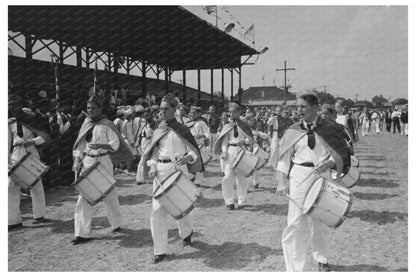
324, 267
15, 226
158, 258
118, 229
139, 183
230, 207
187, 241
256, 186
79, 240
198, 185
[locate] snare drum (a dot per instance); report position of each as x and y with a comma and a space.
95, 183
177, 194
262, 155
28, 171
245, 163
327, 202
350, 179
205, 154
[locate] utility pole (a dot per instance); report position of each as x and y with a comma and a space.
285, 69
356, 97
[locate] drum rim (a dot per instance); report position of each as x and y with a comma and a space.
185, 213
19, 163
317, 199
157, 194
343, 217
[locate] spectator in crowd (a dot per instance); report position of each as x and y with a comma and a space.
396, 121
213, 123
404, 121
388, 119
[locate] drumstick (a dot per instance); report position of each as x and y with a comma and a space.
294, 202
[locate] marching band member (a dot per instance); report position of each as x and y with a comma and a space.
277, 126
172, 146
312, 144
144, 138
200, 131
224, 120
127, 132
98, 140
23, 138
233, 137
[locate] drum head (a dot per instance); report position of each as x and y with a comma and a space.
167, 183
313, 194
238, 158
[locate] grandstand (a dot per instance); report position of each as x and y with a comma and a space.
165, 39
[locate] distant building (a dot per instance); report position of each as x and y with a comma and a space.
267, 96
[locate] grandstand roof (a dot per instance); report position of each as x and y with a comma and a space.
164, 35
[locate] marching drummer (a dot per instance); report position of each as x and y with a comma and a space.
173, 147
200, 130
24, 137
312, 145
234, 136
98, 140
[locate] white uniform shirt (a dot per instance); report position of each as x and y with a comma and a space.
301, 153
230, 139
18, 150
200, 128
101, 134
171, 147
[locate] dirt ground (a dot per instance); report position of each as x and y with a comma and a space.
374, 237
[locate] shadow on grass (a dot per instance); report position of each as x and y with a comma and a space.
217, 187
377, 183
358, 267
273, 209
373, 196
379, 218
376, 173
371, 158
134, 199
209, 203
364, 268
229, 255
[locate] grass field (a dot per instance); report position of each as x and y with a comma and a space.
374, 237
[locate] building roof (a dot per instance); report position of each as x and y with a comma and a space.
268, 93
164, 35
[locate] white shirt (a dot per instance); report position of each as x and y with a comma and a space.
101, 134
18, 150
229, 138
200, 128
171, 147
301, 153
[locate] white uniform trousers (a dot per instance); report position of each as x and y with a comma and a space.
38, 202
405, 129
364, 128
159, 216
295, 238
84, 211
254, 178
231, 178
274, 150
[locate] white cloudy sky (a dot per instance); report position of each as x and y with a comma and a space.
350, 49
